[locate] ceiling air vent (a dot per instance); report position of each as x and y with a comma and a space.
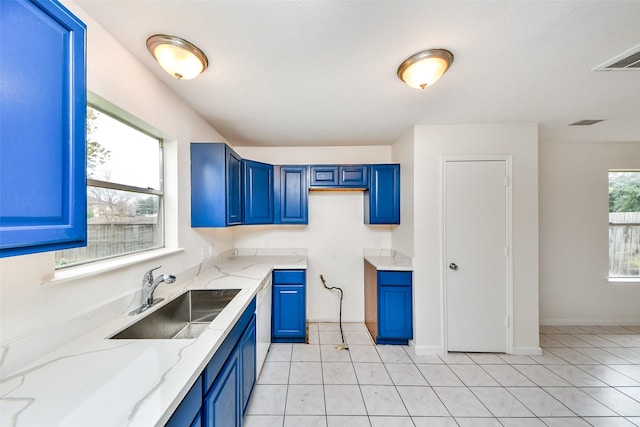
629, 60
587, 122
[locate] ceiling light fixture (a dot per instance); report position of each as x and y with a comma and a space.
177, 56
425, 68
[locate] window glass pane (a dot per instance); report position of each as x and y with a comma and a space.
118, 153
119, 222
624, 224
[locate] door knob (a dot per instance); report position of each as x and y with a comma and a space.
453, 266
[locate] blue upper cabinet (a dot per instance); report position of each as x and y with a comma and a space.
216, 185
339, 176
323, 175
258, 192
382, 201
353, 176
291, 195
234, 186
43, 194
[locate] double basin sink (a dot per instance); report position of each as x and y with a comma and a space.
185, 317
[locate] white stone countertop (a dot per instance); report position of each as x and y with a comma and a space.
94, 381
387, 259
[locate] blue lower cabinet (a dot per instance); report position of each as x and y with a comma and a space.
222, 402
289, 306
247, 354
189, 410
395, 314
220, 395
197, 422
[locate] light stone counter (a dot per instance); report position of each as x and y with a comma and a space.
94, 381
388, 259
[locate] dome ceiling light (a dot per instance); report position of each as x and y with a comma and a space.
177, 56
425, 68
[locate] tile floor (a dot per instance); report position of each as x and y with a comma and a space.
586, 376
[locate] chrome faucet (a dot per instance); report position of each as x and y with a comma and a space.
149, 285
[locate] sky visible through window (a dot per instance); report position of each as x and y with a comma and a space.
134, 162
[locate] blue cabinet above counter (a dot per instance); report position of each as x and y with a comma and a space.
257, 190
216, 179
382, 201
43, 110
338, 176
227, 190
291, 195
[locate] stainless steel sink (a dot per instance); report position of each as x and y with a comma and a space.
185, 317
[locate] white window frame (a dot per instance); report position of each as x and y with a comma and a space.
98, 265
618, 279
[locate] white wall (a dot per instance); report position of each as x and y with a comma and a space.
574, 205
336, 233
27, 306
430, 144
403, 153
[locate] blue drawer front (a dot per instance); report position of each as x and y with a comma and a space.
288, 277
401, 278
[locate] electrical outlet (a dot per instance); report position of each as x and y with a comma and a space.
205, 252
266, 243
377, 242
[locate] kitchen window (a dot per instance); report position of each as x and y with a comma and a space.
624, 224
124, 191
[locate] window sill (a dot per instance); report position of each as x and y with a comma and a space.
99, 267
624, 281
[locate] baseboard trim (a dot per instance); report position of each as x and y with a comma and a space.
424, 350
527, 351
589, 322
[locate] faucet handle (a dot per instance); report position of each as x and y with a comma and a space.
149, 274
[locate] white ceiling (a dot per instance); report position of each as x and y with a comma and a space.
294, 73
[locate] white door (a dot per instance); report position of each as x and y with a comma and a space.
476, 213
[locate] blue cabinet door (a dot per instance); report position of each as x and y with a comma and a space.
188, 412
292, 195
395, 313
43, 194
382, 201
222, 401
221, 393
353, 176
247, 352
216, 183
258, 192
323, 175
234, 187
288, 313
289, 306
